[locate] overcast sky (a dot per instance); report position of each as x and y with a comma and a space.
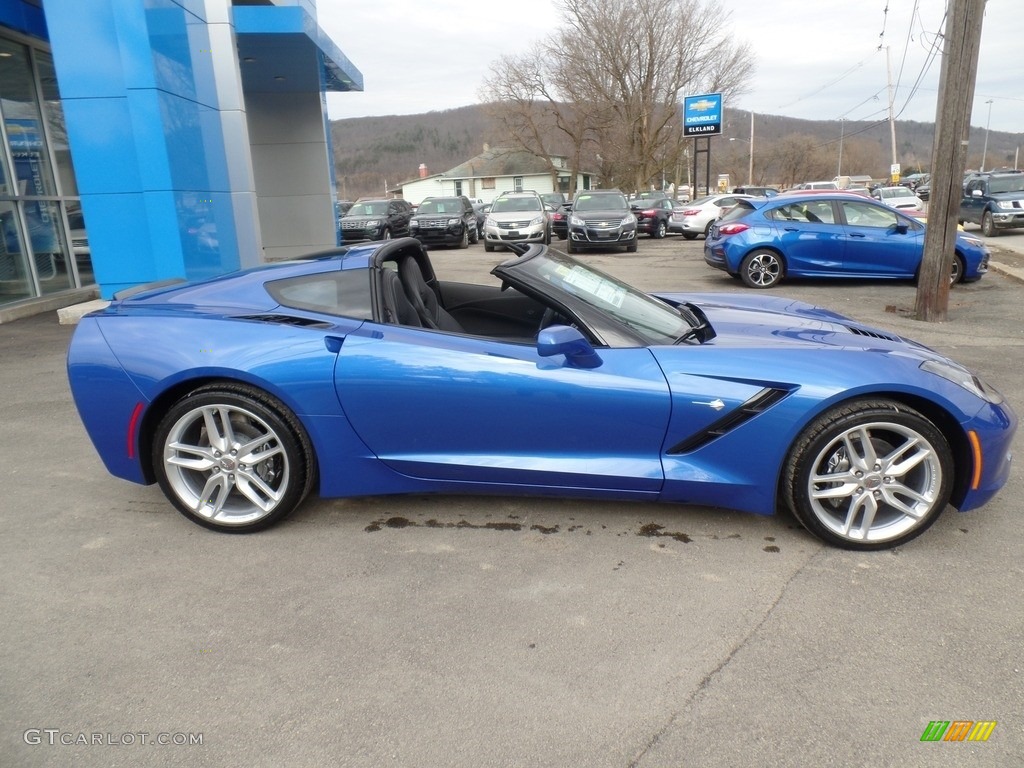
815, 59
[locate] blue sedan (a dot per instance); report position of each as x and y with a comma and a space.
361, 372
828, 235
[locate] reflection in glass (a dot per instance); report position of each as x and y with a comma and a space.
14, 279
48, 248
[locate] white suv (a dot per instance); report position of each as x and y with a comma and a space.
516, 217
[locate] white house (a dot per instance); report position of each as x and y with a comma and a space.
492, 172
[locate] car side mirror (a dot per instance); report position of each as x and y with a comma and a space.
976, 193
563, 340
901, 228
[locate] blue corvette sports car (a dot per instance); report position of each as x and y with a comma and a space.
835, 234
359, 372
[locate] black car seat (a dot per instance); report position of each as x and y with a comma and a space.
423, 298
398, 310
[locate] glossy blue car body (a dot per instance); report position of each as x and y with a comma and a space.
585, 407
838, 235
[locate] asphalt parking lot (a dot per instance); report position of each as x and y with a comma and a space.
443, 631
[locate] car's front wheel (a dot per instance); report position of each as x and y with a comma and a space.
870, 474
232, 458
988, 225
464, 242
956, 273
690, 235
761, 269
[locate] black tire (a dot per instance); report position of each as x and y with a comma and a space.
561, 236
659, 230
631, 248
707, 229
570, 246
386, 234
762, 269
474, 236
894, 486
547, 237
988, 225
488, 247
212, 484
689, 235
464, 242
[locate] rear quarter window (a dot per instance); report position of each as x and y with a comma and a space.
345, 294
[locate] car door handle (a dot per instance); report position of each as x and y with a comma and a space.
857, 234
791, 229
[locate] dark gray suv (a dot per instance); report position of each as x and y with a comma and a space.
445, 221
376, 220
601, 218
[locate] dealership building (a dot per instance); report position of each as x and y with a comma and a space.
146, 140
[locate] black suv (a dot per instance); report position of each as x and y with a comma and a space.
376, 220
445, 221
601, 218
994, 200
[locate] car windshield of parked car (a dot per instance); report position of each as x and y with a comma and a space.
368, 209
887, 193
1013, 183
654, 320
600, 203
441, 205
515, 204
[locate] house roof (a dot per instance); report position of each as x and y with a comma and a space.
500, 161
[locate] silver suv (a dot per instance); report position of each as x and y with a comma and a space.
517, 217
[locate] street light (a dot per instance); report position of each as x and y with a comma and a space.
750, 167
984, 152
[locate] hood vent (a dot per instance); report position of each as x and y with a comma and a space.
871, 334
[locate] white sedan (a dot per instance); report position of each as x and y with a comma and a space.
697, 217
898, 197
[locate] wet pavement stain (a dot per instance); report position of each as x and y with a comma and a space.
772, 548
653, 529
401, 522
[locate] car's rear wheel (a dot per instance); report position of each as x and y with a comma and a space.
761, 269
988, 225
707, 229
232, 458
659, 230
870, 474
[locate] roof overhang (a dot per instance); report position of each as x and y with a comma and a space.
283, 50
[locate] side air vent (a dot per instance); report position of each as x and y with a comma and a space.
872, 334
759, 403
301, 322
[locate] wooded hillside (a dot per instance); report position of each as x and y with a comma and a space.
374, 155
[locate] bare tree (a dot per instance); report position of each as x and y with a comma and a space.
613, 76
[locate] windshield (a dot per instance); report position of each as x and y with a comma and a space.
372, 208
441, 205
515, 204
603, 202
890, 192
654, 320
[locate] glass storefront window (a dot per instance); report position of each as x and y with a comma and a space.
15, 282
43, 243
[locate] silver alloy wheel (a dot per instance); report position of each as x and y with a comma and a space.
955, 272
226, 464
875, 482
762, 269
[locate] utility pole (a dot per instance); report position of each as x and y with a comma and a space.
984, 152
892, 98
961, 42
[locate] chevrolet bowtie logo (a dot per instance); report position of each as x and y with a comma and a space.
702, 106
